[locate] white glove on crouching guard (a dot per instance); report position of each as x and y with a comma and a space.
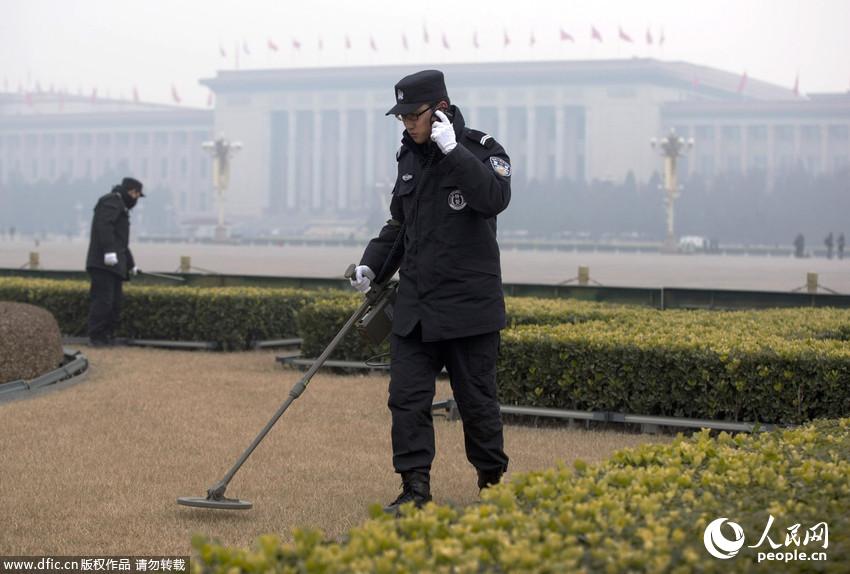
363, 277
443, 133
110, 259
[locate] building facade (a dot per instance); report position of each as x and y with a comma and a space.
317, 143
317, 140
56, 137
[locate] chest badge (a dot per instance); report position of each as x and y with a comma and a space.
500, 166
407, 177
456, 200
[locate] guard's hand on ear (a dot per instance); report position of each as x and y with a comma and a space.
443, 133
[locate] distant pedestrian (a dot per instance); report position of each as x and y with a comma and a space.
829, 244
799, 245
110, 261
840, 245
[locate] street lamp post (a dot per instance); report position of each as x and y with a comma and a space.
671, 147
222, 151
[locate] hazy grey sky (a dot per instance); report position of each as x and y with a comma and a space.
115, 45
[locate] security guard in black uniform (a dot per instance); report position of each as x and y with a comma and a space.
452, 182
110, 261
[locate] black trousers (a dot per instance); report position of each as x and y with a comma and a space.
104, 304
471, 364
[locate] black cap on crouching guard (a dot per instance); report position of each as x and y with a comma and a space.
129, 183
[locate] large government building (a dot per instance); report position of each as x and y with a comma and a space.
316, 142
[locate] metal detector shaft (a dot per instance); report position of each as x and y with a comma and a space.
217, 491
163, 276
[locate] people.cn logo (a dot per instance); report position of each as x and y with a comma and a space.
717, 544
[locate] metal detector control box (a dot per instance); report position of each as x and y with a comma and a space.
376, 325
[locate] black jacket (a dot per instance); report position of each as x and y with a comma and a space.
450, 275
110, 233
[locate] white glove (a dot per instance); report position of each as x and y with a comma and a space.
443, 133
110, 259
135, 270
362, 280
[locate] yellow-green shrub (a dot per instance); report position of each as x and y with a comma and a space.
645, 510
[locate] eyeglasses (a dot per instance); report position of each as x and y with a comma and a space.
412, 118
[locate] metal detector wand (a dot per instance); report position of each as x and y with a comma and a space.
215, 495
162, 276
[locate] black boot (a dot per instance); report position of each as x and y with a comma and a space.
416, 488
488, 478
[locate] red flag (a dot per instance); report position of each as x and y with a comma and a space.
424, 33
532, 40
594, 34
209, 100
507, 39
135, 94
475, 39
648, 37
296, 45
624, 37
742, 83
566, 37
695, 82
174, 95
404, 41
271, 44
372, 44
797, 84
445, 42
347, 42
221, 51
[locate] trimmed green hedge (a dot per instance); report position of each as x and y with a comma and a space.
777, 366
644, 510
676, 367
233, 317
320, 320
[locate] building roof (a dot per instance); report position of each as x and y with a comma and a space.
803, 108
707, 81
54, 110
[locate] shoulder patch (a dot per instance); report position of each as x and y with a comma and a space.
500, 166
481, 138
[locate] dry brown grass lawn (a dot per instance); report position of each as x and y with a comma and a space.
96, 468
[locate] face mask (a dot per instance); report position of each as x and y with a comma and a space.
129, 201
